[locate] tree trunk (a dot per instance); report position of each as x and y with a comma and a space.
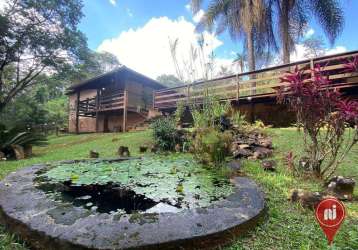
284, 20
250, 51
251, 59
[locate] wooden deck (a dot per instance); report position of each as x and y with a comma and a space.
256, 84
91, 106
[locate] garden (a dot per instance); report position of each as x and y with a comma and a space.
173, 170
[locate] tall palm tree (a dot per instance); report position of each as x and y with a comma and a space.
248, 20
293, 16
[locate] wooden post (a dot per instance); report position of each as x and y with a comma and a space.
188, 95
312, 68
125, 102
77, 111
97, 108
237, 88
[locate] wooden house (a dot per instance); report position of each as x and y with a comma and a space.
112, 102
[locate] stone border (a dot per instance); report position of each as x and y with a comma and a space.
46, 224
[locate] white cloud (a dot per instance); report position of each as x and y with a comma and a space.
336, 50
197, 17
300, 51
146, 49
113, 2
188, 7
3, 4
309, 33
129, 12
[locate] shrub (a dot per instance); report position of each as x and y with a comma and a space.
179, 112
239, 120
165, 134
212, 146
323, 115
210, 112
18, 136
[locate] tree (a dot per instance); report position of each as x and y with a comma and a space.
36, 37
169, 80
240, 62
314, 47
293, 16
248, 20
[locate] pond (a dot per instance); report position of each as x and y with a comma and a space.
154, 202
150, 184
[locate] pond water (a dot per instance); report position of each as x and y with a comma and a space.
147, 185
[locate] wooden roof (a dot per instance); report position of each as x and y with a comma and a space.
97, 81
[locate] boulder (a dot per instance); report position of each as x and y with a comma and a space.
178, 148
18, 151
341, 187
234, 165
268, 165
242, 153
261, 152
2, 156
123, 151
154, 149
143, 149
93, 154
304, 163
28, 151
265, 142
307, 199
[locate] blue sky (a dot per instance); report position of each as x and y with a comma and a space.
115, 25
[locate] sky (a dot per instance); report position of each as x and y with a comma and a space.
138, 33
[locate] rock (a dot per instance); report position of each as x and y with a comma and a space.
28, 151
93, 154
307, 199
177, 148
2, 156
268, 165
143, 149
304, 163
341, 187
265, 142
242, 153
261, 153
244, 146
123, 151
18, 151
235, 165
153, 149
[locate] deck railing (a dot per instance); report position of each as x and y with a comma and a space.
89, 106
255, 84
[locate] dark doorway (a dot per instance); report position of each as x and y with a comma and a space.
105, 124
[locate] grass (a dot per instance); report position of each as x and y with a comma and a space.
287, 226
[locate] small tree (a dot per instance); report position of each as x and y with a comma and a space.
36, 37
324, 115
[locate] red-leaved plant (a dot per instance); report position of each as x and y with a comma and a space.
328, 120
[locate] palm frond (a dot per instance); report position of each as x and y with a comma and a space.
330, 15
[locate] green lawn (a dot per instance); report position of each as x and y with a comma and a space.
287, 226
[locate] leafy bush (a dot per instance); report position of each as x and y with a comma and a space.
165, 134
211, 145
238, 119
324, 116
209, 113
20, 137
179, 112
